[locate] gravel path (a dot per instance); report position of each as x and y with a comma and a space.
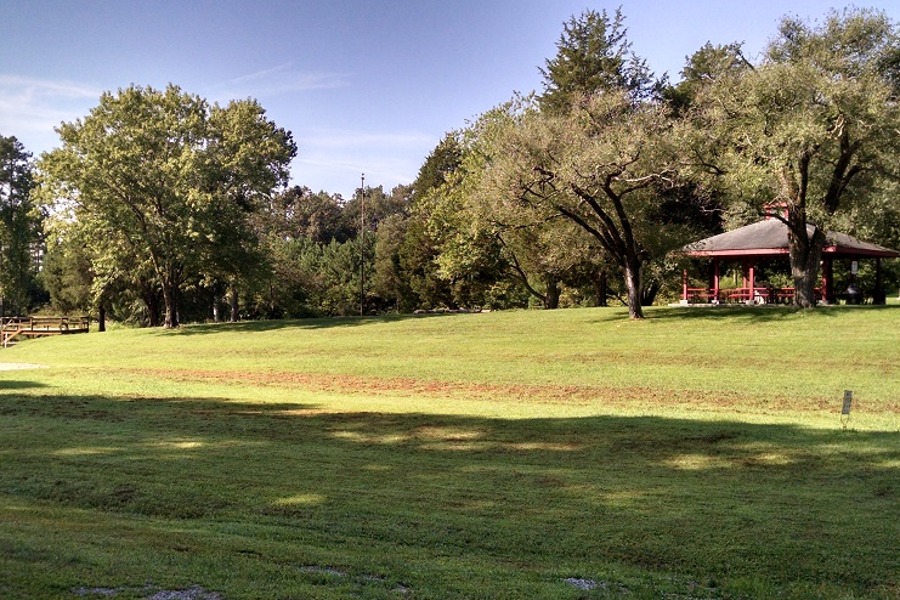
18, 366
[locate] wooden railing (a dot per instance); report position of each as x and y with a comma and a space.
12, 327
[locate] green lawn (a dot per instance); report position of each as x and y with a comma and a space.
543, 454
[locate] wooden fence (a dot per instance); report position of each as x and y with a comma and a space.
13, 327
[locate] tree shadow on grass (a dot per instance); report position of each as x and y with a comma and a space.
744, 314
755, 314
13, 384
312, 323
715, 499
748, 314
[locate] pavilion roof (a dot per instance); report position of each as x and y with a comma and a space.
770, 237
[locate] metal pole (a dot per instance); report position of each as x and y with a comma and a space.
362, 256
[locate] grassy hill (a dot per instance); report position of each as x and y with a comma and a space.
563, 454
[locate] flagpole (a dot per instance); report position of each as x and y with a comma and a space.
362, 234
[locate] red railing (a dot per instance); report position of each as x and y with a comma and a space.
743, 295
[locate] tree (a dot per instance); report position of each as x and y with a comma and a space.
593, 54
172, 178
390, 281
339, 269
443, 161
703, 68
593, 57
811, 129
603, 166
469, 256
538, 251
375, 205
298, 212
67, 276
20, 224
407, 247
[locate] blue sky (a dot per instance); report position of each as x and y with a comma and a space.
365, 86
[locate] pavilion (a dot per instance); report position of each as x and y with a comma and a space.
768, 239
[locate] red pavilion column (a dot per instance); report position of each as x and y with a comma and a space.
752, 282
716, 279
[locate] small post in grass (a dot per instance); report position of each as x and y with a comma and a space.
845, 411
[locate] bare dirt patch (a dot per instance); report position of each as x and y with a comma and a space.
572, 395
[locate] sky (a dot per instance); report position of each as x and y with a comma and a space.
365, 86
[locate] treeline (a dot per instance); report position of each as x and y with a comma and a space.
159, 208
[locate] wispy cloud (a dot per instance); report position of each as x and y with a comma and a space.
341, 175
31, 108
35, 88
280, 79
333, 159
347, 139
260, 75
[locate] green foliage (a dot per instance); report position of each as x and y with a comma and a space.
443, 161
341, 269
407, 269
418, 254
66, 273
470, 258
702, 69
593, 55
164, 179
299, 213
312, 279
20, 228
810, 129
605, 167
392, 281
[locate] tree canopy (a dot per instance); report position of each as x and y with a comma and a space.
593, 54
603, 166
166, 178
20, 226
811, 130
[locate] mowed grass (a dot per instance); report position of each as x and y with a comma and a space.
563, 454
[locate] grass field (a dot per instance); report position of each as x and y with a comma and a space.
539, 454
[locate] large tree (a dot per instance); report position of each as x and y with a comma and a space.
593, 57
540, 251
807, 134
469, 255
593, 54
409, 243
605, 166
172, 178
299, 213
704, 67
19, 226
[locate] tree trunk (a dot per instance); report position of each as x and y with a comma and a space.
601, 289
151, 301
805, 272
648, 294
170, 298
101, 317
633, 284
235, 308
551, 297
805, 254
